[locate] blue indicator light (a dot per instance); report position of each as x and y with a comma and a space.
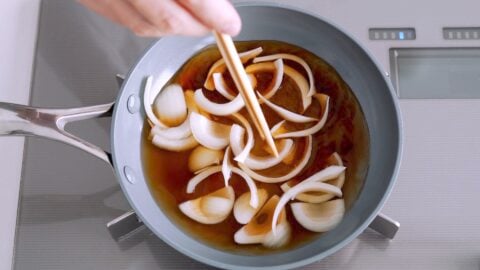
401, 35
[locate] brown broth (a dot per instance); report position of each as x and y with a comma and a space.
345, 132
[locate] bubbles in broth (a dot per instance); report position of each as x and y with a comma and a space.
191, 145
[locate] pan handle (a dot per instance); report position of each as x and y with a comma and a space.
21, 120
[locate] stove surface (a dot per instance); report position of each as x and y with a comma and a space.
67, 196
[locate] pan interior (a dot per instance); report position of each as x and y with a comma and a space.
265, 22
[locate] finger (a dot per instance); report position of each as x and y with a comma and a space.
122, 13
169, 17
215, 14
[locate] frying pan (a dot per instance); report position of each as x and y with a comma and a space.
260, 22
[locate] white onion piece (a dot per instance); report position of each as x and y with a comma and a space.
202, 157
209, 133
212, 208
290, 175
319, 217
170, 106
294, 58
221, 109
221, 86
259, 226
280, 238
237, 133
300, 188
252, 161
197, 179
147, 103
334, 175
286, 114
179, 132
226, 166
276, 66
251, 185
278, 131
242, 211
219, 66
175, 145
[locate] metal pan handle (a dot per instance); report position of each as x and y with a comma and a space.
21, 120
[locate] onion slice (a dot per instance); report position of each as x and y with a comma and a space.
279, 131
252, 161
276, 66
174, 145
202, 157
303, 187
221, 86
319, 217
179, 132
301, 165
294, 58
219, 66
147, 103
243, 211
169, 105
237, 134
333, 175
197, 179
258, 230
226, 166
286, 114
221, 109
209, 133
212, 208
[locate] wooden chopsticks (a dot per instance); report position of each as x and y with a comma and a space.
240, 78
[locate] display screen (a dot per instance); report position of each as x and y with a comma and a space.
436, 73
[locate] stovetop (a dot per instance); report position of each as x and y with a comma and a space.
67, 196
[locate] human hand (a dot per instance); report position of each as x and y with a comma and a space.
166, 17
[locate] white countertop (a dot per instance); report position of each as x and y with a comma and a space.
18, 30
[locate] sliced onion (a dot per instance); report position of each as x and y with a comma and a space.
220, 109
281, 236
243, 211
175, 145
334, 175
170, 106
208, 133
202, 157
197, 179
259, 226
294, 58
286, 114
226, 166
219, 66
212, 208
252, 161
279, 131
221, 85
300, 188
276, 66
251, 186
179, 132
237, 134
290, 175
148, 101
319, 217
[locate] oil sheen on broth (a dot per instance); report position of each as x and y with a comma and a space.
345, 132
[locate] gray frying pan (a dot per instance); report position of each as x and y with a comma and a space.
260, 22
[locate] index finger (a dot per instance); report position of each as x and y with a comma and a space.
219, 15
